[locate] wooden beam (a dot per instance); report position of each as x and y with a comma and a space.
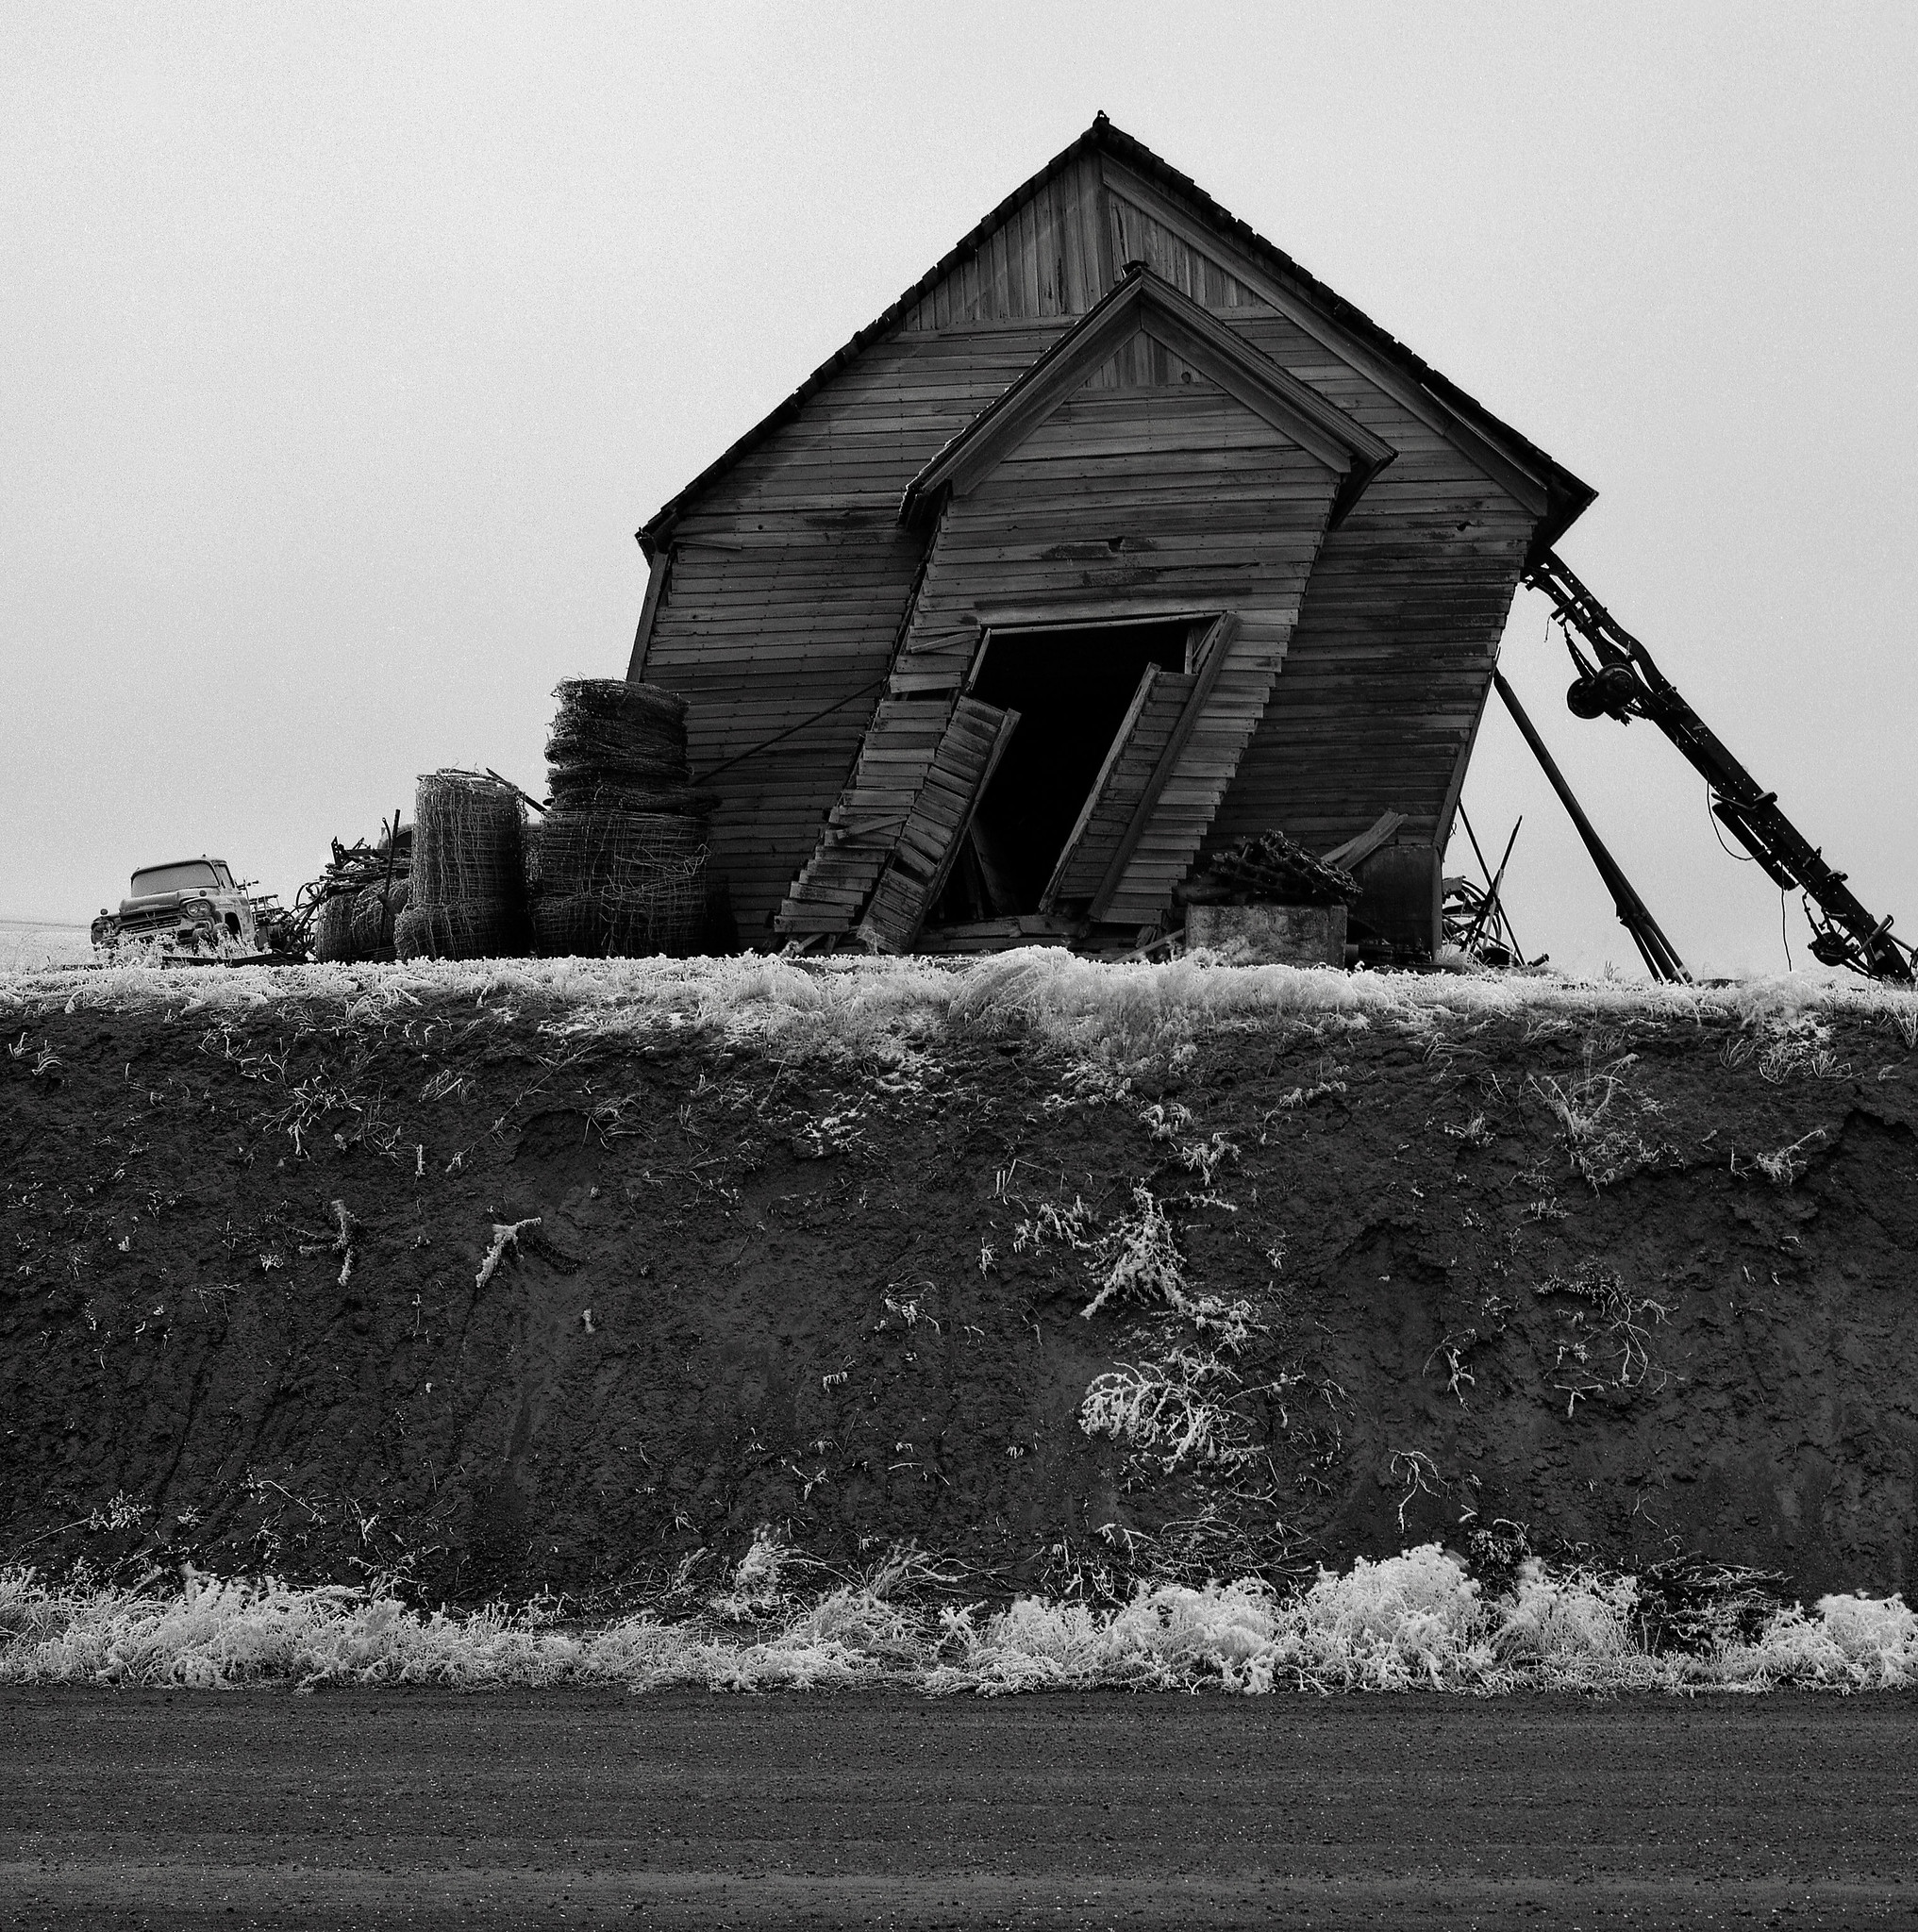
649, 610
1355, 852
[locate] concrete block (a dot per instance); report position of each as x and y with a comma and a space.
1274, 935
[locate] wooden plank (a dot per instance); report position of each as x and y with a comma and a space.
904, 892
1357, 851
657, 573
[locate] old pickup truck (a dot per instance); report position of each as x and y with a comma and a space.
195, 909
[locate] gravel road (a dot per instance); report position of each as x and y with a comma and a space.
428, 1808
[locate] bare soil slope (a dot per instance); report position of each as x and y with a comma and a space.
1378, 1262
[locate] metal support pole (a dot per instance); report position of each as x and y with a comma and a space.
1661, 961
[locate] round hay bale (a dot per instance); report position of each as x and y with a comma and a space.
369, 922
333, 930
375, 909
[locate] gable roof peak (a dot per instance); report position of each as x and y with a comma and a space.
1142, 301
1563, 495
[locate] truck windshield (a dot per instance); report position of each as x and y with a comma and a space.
196, 874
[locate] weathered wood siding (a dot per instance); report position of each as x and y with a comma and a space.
1173, 502
790, 577
1392, 654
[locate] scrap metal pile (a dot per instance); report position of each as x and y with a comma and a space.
349, 912
614, 864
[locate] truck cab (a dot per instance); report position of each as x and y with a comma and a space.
190, 909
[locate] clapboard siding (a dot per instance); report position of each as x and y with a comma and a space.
792, 578
1106, 473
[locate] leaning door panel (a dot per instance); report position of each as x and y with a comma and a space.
1137, 748
937, 823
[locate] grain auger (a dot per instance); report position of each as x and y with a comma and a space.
1618, 679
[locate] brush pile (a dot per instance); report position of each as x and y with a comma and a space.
618, 868
349, 912
1271, 870
467, 873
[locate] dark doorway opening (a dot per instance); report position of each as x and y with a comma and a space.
1071, 689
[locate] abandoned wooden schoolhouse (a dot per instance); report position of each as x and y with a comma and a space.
1116, 539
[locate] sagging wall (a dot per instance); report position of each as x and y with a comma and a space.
791, 575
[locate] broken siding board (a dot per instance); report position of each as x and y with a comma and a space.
917, 869
898, 749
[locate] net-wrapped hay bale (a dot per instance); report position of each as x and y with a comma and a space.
333, 930
467, 873
609, 732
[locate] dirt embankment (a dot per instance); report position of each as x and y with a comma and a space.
1366, 1274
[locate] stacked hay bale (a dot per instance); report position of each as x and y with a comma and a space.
468, 875
618, 867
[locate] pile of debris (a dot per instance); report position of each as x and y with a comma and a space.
618, 866
1271, 870
350, 912
1267, 900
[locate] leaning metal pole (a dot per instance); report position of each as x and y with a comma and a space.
1661, 962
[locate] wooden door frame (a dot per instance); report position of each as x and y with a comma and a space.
1198, 623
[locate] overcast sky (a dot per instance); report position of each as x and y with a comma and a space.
346, 347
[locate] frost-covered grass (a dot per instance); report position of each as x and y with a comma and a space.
1416, 1621
37, 946
1119, 1013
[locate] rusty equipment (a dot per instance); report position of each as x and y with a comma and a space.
1618, 679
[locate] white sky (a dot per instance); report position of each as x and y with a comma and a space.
345, 348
